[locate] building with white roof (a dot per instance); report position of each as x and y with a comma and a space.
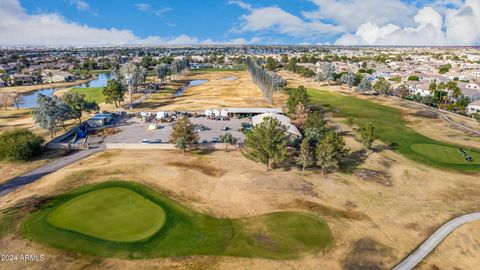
284, 120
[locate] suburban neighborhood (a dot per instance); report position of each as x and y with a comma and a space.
237, 134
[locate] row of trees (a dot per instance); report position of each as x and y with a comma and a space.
321, 146
268, 81
52, 112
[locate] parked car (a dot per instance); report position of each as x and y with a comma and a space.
146, 141
225, 128
204, 141
215, 140
156, 141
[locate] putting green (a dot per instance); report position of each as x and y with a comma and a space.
445, 154
124, 220
115, 214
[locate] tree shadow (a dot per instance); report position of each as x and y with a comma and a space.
352, 161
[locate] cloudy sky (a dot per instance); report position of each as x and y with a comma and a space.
343, 22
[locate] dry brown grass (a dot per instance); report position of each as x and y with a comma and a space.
216, 93
385, 222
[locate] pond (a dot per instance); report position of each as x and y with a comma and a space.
29, 100
181, 90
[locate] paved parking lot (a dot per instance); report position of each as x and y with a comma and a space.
133, 130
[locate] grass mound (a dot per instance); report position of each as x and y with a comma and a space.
393, 131
115, 214
280, 235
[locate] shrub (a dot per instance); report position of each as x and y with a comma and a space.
19, 144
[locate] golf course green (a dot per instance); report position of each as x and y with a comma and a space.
393, 131
128, 220
91, 93
115, 214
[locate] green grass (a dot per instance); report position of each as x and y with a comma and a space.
393, 131
280, 235
91, 93
115, 214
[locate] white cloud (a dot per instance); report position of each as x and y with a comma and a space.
80, 4
241, 4
350, 14
17, 27
147, 8
277, 20
458, 26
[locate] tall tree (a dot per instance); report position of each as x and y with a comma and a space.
305, 157
330, 151
114, 92
266, 142
228, 139
296, 96
382, 86
50, 112
368, 135
271, 64
183, 133
4, 99
348, 79
364, 85
79, 104
299, 119
292, 64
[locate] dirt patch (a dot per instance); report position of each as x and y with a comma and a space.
205, 169
367, 254
262, 239
324, 210
306, 188
426, 114
373, 175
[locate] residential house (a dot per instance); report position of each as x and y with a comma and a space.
476, 74
422, 89
22, 79
473, 107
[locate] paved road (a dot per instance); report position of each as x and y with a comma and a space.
426, 247
51, 167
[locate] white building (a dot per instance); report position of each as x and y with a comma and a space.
240, 111
284, 120
473, 107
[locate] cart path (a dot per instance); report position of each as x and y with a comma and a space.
48, 168
448, 119
434, 240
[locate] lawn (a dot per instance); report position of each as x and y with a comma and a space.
392, 131
91, 93
115, 214
70, 222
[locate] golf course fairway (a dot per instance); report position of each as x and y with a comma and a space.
393, 131
128, 220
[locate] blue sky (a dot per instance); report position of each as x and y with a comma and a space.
346, 22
